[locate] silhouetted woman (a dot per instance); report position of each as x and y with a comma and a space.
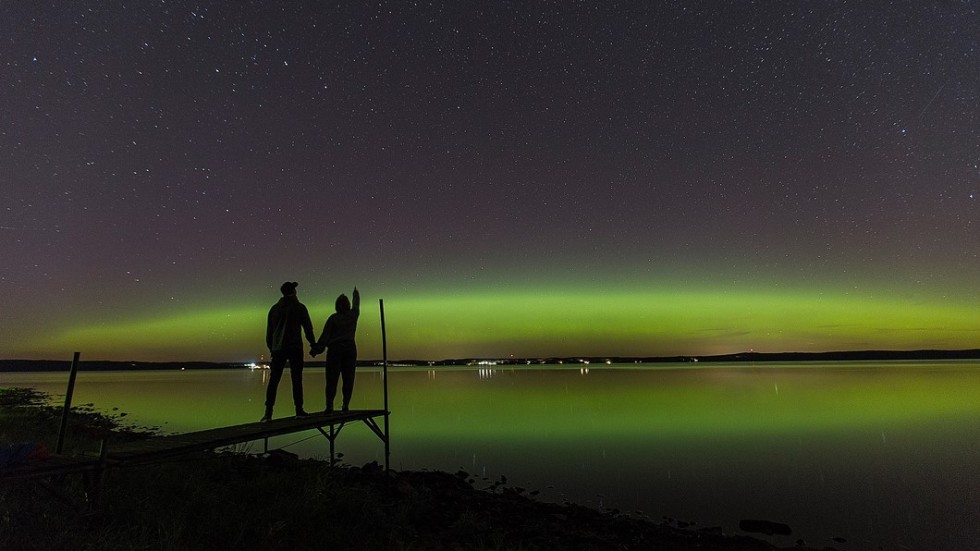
338, 339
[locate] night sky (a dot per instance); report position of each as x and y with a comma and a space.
512, 178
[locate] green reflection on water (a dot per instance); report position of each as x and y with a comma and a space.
563, 402
698, 403
882, 451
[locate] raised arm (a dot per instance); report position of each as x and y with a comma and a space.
356, 306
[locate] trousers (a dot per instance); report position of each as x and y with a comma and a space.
341, 361
279, 359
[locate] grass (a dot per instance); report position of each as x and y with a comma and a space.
279, 502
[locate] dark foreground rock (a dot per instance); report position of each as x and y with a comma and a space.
237, 500
464, 518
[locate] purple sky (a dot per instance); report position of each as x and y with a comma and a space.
160, 158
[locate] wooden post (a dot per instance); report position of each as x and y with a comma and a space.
384, 378
64, 414
95, 494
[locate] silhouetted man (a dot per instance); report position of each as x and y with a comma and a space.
338, 339
282, 335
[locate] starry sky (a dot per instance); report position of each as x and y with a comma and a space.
533, 178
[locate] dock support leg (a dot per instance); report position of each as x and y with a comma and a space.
64, 413
332, 437
97, 481
387, 443
384, 377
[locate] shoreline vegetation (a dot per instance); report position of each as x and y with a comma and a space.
16, 366
243, 500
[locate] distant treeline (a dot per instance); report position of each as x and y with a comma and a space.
63, 365
858, 355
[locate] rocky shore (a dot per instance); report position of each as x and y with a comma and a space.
237, 500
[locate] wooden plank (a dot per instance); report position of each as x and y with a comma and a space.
53, 465
162, 447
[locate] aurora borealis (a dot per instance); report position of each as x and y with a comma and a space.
533, 178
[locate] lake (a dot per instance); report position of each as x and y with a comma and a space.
883, 454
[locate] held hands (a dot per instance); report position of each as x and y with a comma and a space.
316, 349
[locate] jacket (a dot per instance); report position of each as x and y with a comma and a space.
286, 318
341, 326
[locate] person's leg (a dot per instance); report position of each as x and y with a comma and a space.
348, 369
333, 375
296, 375
276, 366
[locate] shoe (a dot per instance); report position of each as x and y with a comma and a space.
302, 414
266, 418
345, 409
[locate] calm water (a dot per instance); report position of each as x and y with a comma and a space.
882, 454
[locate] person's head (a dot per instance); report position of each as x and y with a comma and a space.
288, 288
343, 303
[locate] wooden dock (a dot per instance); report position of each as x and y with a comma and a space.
54, 466
50, 472
165, 447
160, 448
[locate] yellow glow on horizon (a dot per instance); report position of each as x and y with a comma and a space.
542, 322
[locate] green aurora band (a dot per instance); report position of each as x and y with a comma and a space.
541, 322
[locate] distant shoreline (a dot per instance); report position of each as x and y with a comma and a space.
14, 366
